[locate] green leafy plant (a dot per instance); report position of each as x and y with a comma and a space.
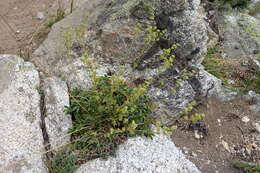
107, 114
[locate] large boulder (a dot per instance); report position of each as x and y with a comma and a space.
111, 41
143, 155
20, 118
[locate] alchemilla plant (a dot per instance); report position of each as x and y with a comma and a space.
107, 114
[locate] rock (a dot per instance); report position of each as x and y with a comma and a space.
227, 94
225, 145
241, 34
143, 155
193, 154
20, 118
213, 38
254, 99
230, 82
40, 16
257, 127
255, 64
57, 123
51, 57
111, 42
197, 134
245, 119
169, 104
206, 84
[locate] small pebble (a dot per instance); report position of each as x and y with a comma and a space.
245, 119
40, 15
193, 154
197, 135
225, 145
257, 127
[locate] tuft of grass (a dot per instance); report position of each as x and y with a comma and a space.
64, 162
246, 167
52, 19
244, 77
215, 65
106, 115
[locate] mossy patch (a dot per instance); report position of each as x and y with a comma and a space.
236, 3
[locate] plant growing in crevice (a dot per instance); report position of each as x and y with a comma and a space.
63, 162
107, 114
74, 39
52, 19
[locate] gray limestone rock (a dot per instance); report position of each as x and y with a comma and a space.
111, 42
21, 141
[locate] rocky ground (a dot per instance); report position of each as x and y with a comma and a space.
35, 87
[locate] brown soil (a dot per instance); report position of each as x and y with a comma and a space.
19, 23
223, 122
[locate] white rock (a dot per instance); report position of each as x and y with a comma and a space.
21, 141
197, 135
40, 16
257, 127
245, 119
225, 145
57, 122
143, 155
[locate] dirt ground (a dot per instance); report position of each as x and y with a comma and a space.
18, 23
226, 139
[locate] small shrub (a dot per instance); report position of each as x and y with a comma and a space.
107, 114
236, 3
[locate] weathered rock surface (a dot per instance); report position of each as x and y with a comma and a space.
143, 155
206, 84
21, 141
51, 57
241, 34
57, 123
111, 42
